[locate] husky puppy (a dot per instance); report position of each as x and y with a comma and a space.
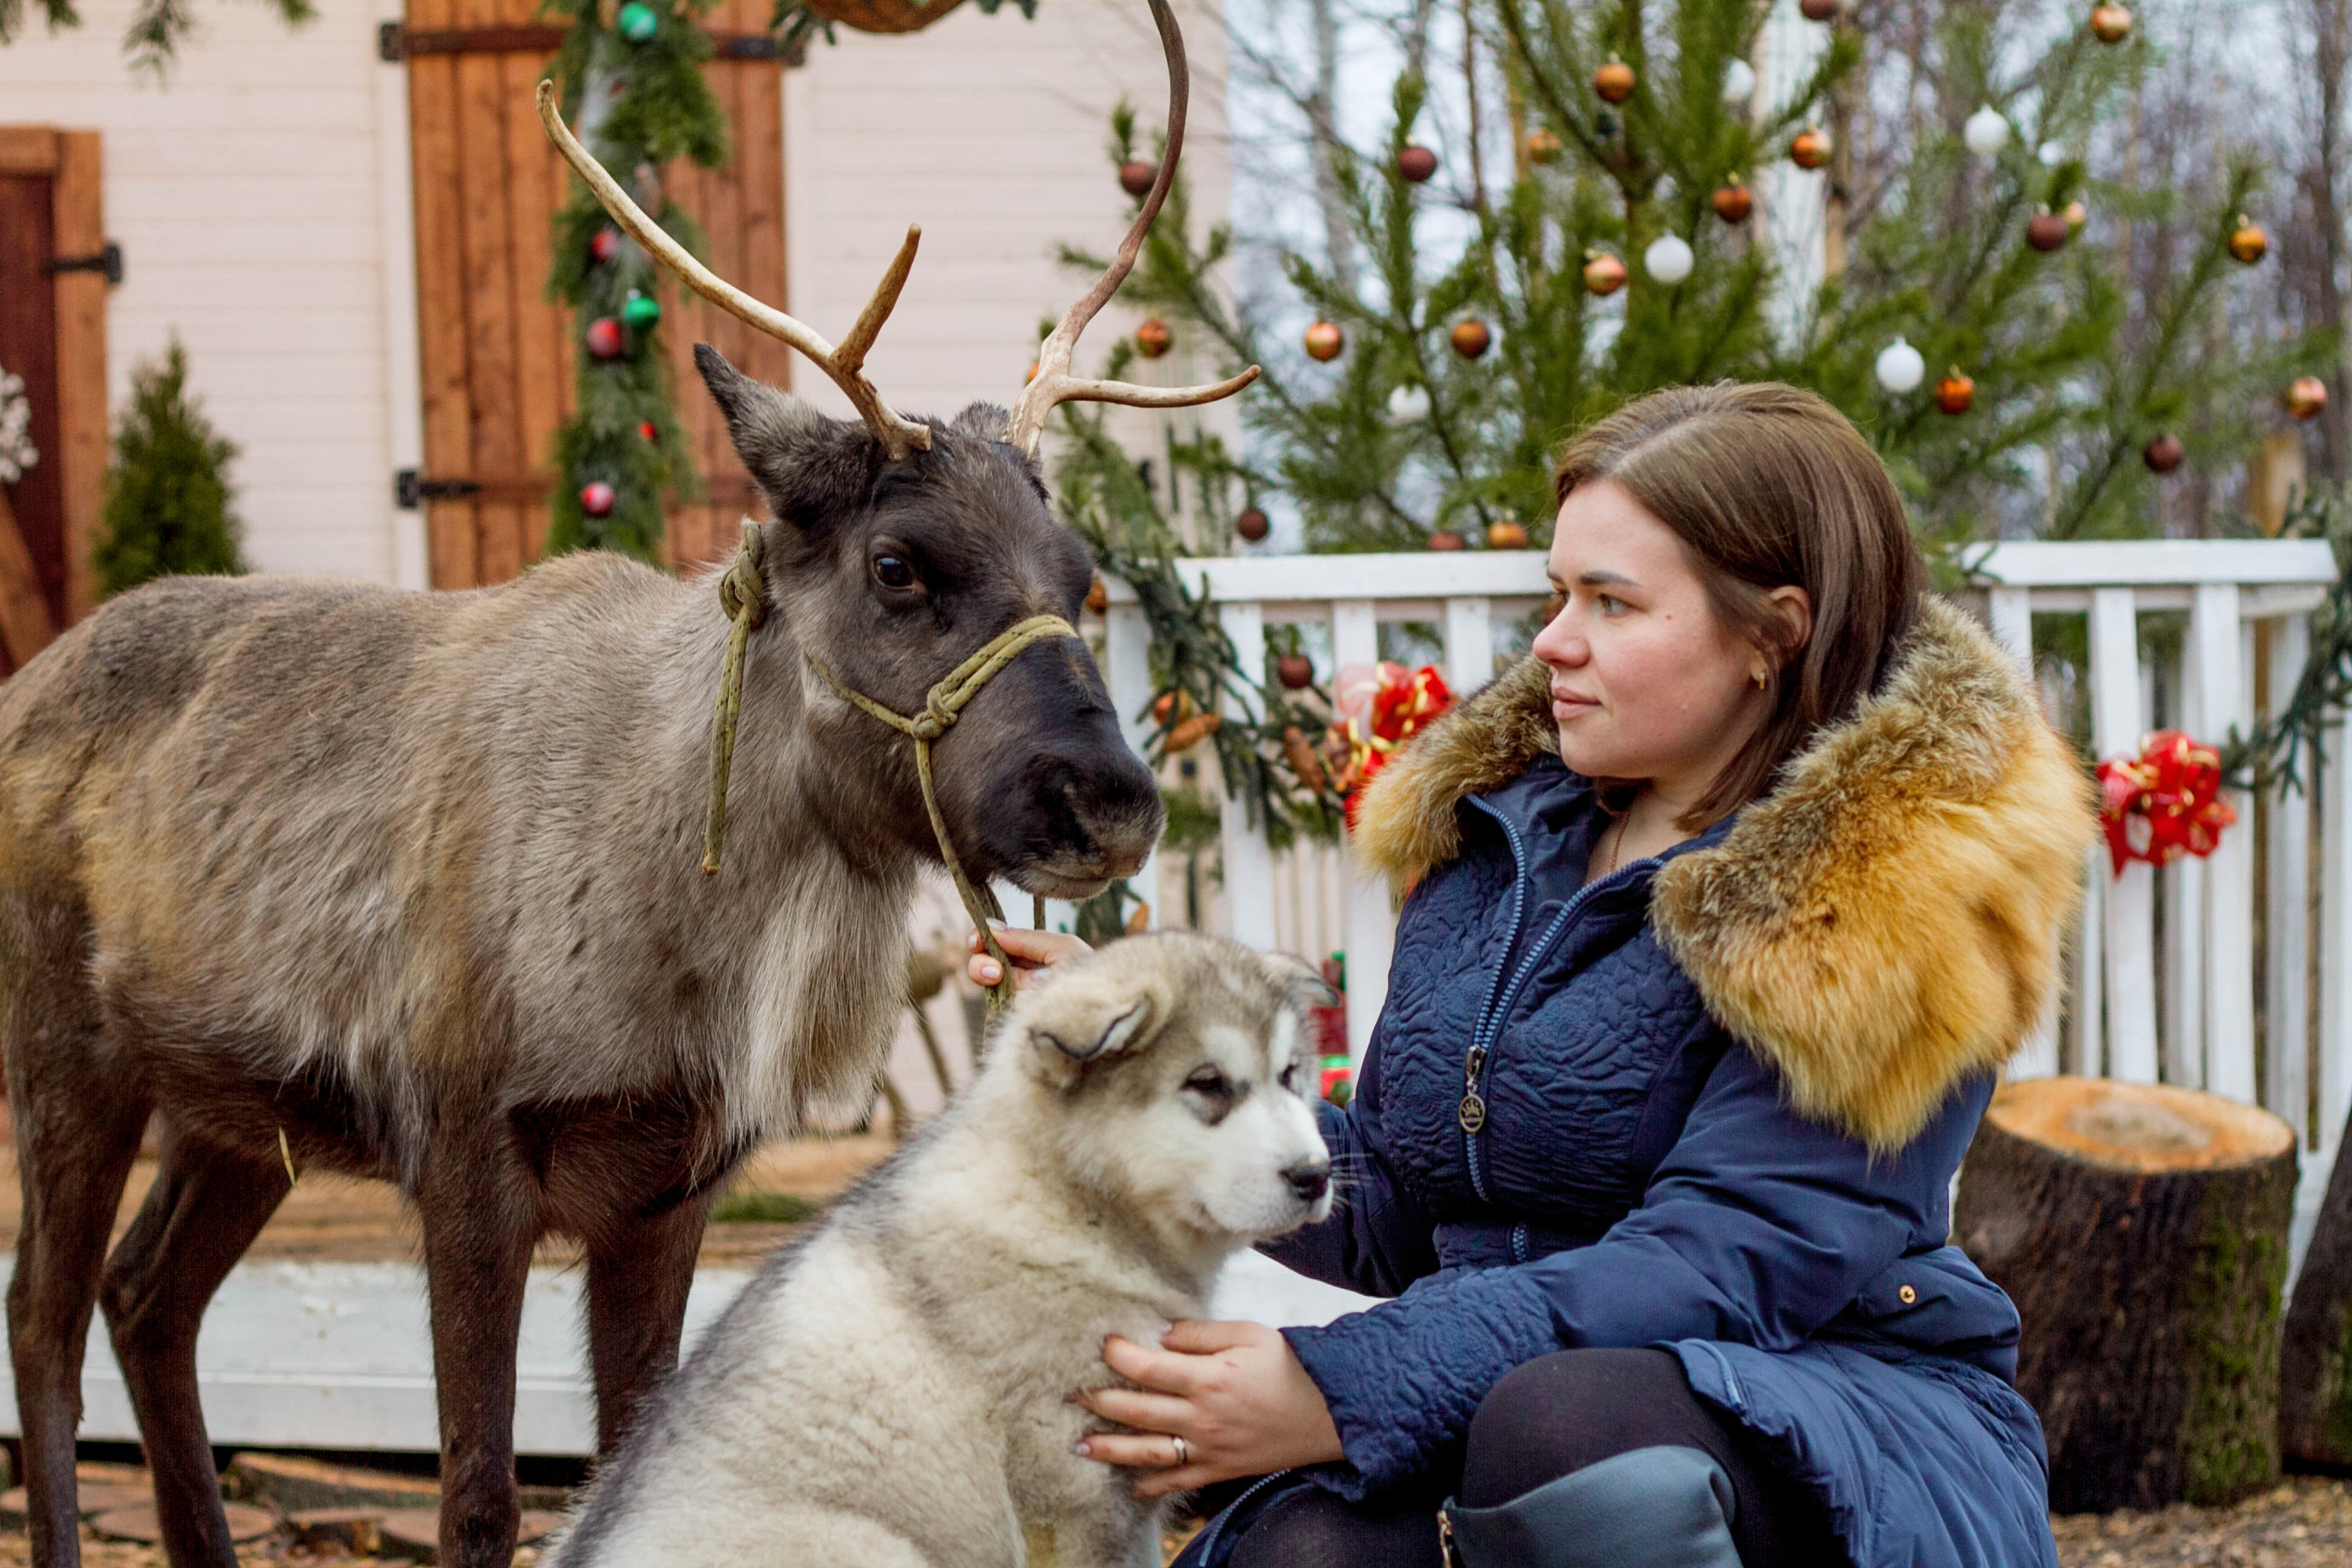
892, 1393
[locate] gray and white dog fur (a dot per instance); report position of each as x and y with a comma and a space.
892, 1393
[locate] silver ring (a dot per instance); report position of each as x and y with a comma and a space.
1183, 1455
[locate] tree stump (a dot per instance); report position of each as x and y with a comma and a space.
2142, 1232
2316, 1363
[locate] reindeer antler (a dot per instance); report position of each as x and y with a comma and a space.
1054, 384
901, 437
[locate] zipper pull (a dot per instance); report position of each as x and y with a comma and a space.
1472, 1112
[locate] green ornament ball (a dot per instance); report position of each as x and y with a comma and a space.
641, 311
638, 21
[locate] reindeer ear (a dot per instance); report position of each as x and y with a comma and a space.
1084, 1019
813, 470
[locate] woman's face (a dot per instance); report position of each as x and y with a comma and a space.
1646, 682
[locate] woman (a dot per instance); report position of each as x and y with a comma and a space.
1726, 907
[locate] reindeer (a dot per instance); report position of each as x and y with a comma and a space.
319, 874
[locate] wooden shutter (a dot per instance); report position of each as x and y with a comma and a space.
498, 358
53, 335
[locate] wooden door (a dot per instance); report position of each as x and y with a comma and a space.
53, 283
498, 358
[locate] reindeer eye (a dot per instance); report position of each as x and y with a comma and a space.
893, 572
1208, 1083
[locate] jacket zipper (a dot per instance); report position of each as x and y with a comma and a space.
1499, 996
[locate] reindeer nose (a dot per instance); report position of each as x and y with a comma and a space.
1309, 1180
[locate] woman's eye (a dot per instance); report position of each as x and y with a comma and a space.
1610, 604
893, 572
1209, 1082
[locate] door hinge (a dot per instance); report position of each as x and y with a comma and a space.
395, 43
107, 261
410, 490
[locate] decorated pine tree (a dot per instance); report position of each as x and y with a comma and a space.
168, 503
634, 91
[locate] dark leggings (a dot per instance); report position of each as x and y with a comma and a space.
1547, 1419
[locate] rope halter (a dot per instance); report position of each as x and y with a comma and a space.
743, 595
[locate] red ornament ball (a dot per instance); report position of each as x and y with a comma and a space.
2306, 397
1446, 538
645, 428
1153, 339
604, 243
1135, 176
1416, 163
1471, 337
597, 498
2047, 231
604, 340
1252, 525
1605, 274
1956, 393
2162, 454
1810, 150
1734, 201
2110, 23
1295, 670
1324, 341
1818, 10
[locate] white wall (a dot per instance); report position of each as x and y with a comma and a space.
250, 196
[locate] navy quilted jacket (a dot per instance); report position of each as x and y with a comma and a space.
1638, 1175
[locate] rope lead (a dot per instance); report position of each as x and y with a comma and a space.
743, 595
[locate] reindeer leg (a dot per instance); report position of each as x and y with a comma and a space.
203, 1211
480, 1226
638, 1275
77, 1127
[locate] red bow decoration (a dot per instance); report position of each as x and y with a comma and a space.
2164, 804
1378, 707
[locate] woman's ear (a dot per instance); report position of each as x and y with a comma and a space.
1794, 607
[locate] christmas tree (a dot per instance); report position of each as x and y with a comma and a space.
167, 493
634, 91
1608, 200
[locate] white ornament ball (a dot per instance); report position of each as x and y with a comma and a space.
2051, 154
1409, 404
1901, 367
1986, 133
1738, 82
1668, 259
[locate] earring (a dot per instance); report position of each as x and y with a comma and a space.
1761, 680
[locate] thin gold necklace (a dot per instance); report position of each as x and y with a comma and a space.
1617, 844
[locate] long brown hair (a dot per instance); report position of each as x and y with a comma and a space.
1767, 485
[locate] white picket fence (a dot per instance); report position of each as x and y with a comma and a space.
2160, 979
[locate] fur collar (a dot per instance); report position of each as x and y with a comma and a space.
1882, 925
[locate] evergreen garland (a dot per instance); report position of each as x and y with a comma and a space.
167, 494
637, 103
151, 38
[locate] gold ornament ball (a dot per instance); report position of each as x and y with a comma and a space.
1324, 341
1471, 337
1613, 82
1734, 201
1508, 533
1956, 393
1097, 597
1543, 146
1605, 274
2110, 23
2248, 243
1811, 149
2306, 397
2076, 216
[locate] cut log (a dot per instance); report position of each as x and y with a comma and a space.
2316, 1362
2142, 1232
138, 1522
297, 1485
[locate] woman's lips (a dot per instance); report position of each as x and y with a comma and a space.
1568, 704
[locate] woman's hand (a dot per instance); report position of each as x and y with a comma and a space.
1033, 953
1232, 1392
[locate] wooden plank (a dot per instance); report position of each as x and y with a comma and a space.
2148, 563
539, 323
28, 348
2217, 654
2129, 928
2286, 923
26, 627
79, 227
1469, 645
1126, 671
496, 438
441, 304
28, 150
2086, 1046
2335, 939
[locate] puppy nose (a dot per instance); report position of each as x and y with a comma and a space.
1309, 1179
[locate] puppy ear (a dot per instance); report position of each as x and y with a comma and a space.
1301, 984
1082, 1020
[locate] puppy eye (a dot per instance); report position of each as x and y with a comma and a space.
893, 572
1290, 1077
1210, 1083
